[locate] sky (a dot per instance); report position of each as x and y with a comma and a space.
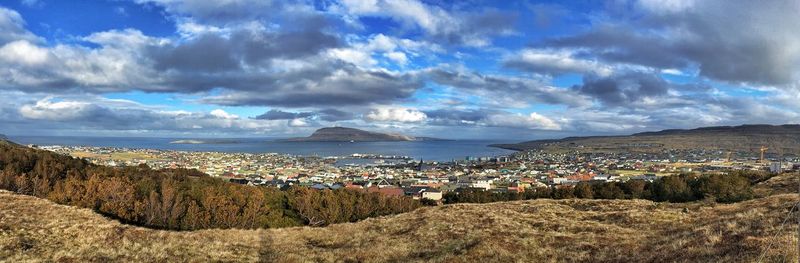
511, 70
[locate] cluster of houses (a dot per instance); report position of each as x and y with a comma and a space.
429, 180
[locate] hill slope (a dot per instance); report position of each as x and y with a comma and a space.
745, 138
527, 231
342, 134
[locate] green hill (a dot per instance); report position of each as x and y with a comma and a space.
781, 139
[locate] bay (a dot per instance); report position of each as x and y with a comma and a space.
427, 150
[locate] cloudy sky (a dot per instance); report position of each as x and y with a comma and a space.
454, 69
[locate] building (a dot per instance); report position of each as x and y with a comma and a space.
432, 195
775, 167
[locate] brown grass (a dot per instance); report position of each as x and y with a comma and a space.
34, 229
782, 184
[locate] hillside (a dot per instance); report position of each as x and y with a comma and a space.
746, 138
342, 134
33, 229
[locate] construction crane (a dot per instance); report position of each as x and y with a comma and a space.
763, 150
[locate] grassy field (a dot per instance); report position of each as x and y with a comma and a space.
34, 229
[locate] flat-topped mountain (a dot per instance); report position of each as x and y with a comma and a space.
343, 134
782, 139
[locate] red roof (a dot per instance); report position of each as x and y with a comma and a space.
389, 191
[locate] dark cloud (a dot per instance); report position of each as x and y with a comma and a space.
475, 28
621, 44
520, 90
337, 84
307, 39
734, 41
330, 115
249, 65
283, 115
624, 89
335, 115
631, 89
455, 117
207, 53
220, 12
214, 53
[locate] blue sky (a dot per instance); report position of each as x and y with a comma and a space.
465, 69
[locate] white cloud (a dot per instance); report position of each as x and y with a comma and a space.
47, 109
299, 122
531, 121
666, 6
12, 27
412, 12
97, 113
32, 3
397, 57
555, 62
23, 52
387, 114
219, 113
396, 50
353, 55
435, 21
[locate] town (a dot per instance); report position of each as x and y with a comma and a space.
405, 176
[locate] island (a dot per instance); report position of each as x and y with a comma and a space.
344, 134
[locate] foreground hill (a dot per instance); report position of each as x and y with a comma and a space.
342, 134
746, 138
33, 229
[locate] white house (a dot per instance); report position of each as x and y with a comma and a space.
432, 195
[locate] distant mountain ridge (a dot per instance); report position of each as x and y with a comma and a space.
779, 138
344, 134
742, 129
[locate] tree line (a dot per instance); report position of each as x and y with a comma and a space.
181, 199
724, 188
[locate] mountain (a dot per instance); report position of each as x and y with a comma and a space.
343, 134
574, 230
744, 138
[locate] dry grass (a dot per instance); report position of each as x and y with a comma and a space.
782, 184
34, 229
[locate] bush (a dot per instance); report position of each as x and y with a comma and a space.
725, 188
677, 188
